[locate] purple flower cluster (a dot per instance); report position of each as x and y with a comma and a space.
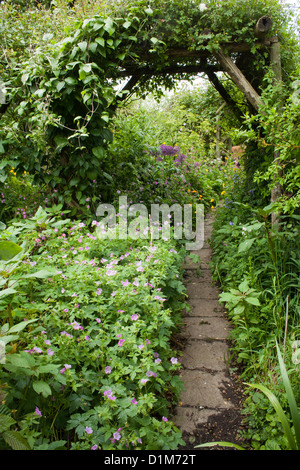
169, 150
179, 159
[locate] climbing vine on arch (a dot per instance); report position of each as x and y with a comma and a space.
61, 96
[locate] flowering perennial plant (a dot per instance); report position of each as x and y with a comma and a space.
96, 370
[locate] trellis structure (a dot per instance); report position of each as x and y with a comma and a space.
72, 85
210, 64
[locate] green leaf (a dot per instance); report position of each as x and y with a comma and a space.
222, 444
17, 360
42, 388
71, 81
280, 413
48, 369
8, 250
109, 26
291, 398
15, 440
47, 37
105, 117
20, 326
74, 181
8, 338
82, 46
107, 176
92, 174
100, 41
93, 47
244, 286
239, 309
252, 301
61, 142
24, 78
6, 422
98, 151
87, 68
56, 445
227, 297
42, 274
60, 85
40, 92
8, 291
246, 244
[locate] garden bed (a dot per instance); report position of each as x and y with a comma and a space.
92, 366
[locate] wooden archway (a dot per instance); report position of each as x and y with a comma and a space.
210, 64
207, 63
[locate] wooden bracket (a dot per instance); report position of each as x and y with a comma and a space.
238, 77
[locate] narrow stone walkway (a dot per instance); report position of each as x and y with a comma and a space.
209, 407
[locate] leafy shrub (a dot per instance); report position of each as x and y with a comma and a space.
96, 368
257, 267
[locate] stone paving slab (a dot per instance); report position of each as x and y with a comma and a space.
204, 308
206, 328
190, 418
210, 355
205, 356
202, 291
204, 275
205, 254
189, 264
198, 387
205, 258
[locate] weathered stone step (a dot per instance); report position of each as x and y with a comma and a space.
206, 328
206, 354
209, 354
204, 308
199, 387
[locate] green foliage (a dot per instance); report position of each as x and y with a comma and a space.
293, 439
257, 268
87, 323
151, 173
96, 349
279, 127
20, 198
60, 92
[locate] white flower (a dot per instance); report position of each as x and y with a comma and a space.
202, 7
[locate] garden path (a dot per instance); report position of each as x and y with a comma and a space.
210, 405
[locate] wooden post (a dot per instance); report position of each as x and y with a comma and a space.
218, 130
275, 61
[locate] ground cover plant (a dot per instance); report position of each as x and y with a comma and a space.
95, 369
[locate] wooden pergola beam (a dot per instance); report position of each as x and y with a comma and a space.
230, 47
223, 92
263, 26
172, 69
238, 78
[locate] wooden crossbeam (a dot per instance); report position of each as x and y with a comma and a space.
231, 47
239, 79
